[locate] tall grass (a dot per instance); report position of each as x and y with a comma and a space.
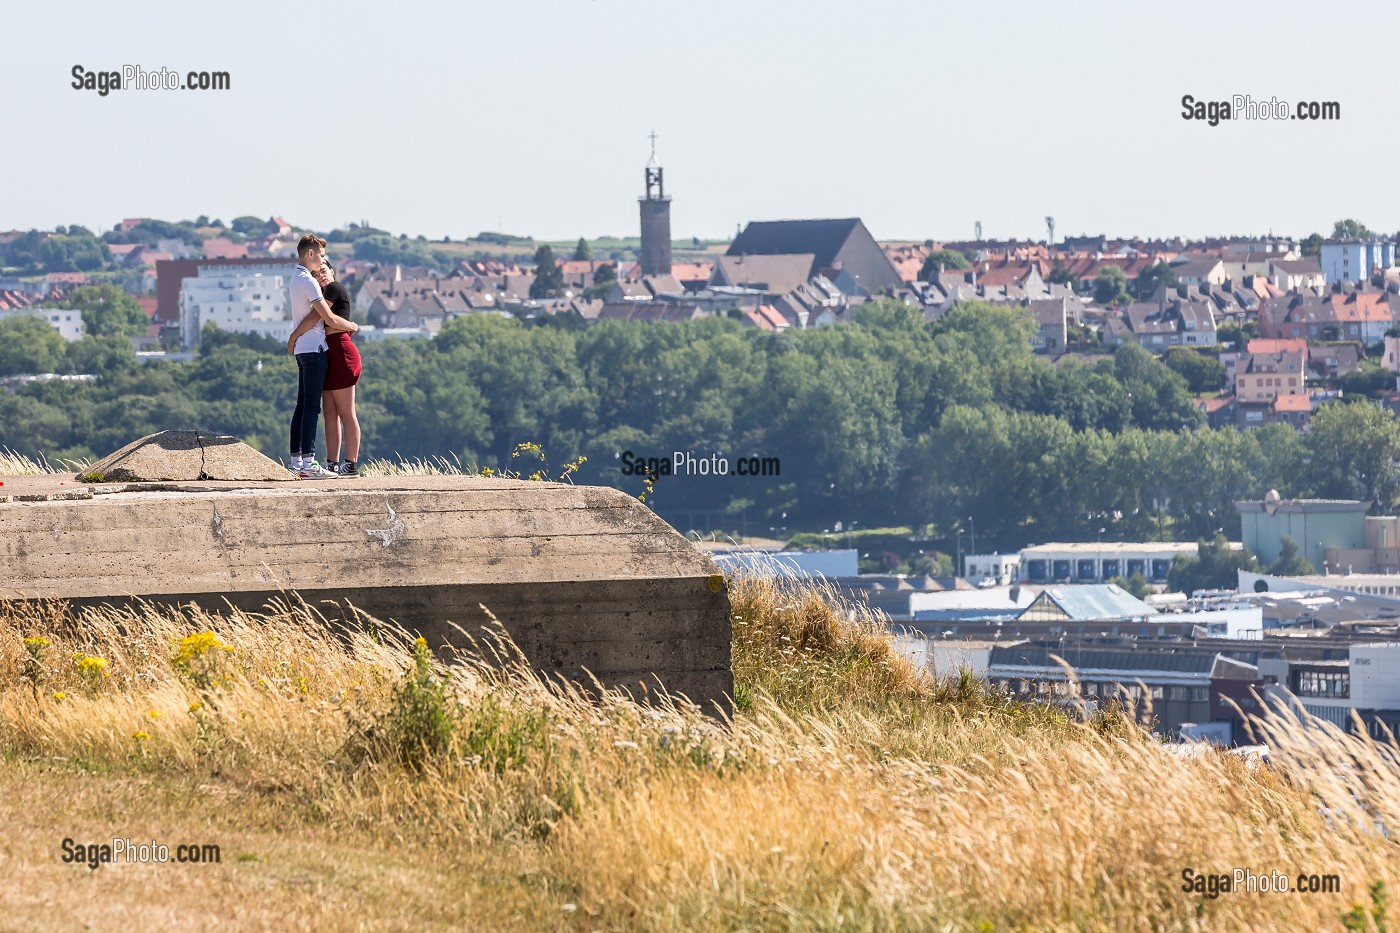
849, 791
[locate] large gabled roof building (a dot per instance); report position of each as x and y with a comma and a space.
834, 245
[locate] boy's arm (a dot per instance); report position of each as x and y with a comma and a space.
334, 323
306, 324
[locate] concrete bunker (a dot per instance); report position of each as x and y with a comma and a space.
586, 580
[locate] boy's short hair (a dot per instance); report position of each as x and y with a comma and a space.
309, 242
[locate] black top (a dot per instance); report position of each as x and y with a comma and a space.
338, 297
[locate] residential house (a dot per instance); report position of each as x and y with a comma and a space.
1296, 274
773, 274
765, 317
1298, 315
1219, 411
1260, 345
1197, 270
1334, 360
1243, 265
1053, 317
1262, 377
1293, 408
1363, 315
224, 248
1391, 358
1158, 326
908, 260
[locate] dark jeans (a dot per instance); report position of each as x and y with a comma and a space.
311, 376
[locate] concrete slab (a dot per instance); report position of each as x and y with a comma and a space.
586, 580
188, 456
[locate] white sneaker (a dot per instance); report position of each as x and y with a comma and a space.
314, 470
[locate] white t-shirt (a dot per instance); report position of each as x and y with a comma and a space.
305, 291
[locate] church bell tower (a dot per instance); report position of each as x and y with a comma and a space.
656, 220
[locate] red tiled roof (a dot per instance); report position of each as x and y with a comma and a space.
1293, 401
692, 271
1211, 405
222, 248
148, 304
1278, 345
1363, 307
771, 315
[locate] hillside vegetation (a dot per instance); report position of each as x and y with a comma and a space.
882, 421
361, 780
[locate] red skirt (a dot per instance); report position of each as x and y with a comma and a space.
342, 362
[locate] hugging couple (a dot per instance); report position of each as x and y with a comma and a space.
328, 366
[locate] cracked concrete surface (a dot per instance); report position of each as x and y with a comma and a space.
188, 456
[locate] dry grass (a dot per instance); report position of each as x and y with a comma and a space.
14, 464
349, 789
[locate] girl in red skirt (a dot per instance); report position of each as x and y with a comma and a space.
342, 375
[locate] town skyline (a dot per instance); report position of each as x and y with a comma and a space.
462, 120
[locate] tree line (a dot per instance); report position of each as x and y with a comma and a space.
885, 420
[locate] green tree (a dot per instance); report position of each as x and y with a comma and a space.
605, 273
107, 310
947, 258
101, 354
1352, 452
30, 345
1136, 585
1202, 371
1350, 229
1215, 567
549, 278
1236, 336
248, 225
1060, 274
1148, 279
1290, 563
1111, 286
581, 252
1312, 245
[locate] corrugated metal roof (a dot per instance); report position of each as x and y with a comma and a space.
1101, 602
1190, 662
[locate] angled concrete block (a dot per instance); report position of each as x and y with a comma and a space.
586, 580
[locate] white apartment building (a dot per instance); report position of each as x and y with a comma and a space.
1353, 260
67, 321
245, 300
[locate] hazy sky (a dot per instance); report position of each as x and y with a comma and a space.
451, 118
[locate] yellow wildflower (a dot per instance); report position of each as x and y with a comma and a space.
60, 695
90, 664
140, 736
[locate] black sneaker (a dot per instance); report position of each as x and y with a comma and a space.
348, 468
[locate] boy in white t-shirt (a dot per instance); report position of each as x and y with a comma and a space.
312, 317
